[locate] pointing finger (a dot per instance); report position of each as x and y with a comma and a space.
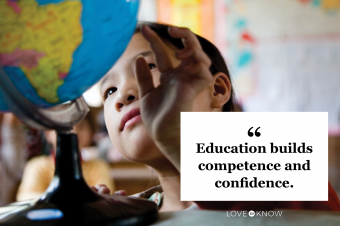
144, 77
162, 58
188, 38
195, 54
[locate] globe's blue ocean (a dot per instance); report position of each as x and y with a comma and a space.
108, 26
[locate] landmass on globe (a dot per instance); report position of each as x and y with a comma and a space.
40, 40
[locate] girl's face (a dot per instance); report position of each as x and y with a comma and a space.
119, 90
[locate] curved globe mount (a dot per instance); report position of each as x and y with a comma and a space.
61, 120
68, 200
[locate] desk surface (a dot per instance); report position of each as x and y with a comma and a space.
217, 218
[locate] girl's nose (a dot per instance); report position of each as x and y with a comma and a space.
126, 97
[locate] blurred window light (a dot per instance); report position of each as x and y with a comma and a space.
92, 96
198, 15
147, 10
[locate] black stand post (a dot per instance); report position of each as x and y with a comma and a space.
69, 201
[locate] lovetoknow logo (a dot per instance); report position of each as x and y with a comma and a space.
252, 213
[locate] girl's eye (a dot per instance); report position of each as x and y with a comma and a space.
152, 66
109, 91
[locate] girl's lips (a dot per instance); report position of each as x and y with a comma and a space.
132, 121
130, 118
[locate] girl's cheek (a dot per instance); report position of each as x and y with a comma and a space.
110, 115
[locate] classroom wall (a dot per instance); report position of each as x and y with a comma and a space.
284, 55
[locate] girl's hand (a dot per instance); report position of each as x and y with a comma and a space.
104, 190
121, 192
179, 86
101, 189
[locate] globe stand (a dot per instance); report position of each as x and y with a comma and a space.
68, 200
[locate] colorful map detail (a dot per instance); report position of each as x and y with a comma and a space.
14, 5
27, 58
40, 40
54, 50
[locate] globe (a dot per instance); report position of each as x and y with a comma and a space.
54, 50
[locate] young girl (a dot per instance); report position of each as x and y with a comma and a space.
166, 70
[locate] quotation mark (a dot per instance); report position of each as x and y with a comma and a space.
256, 132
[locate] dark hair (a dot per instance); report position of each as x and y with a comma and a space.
217, 62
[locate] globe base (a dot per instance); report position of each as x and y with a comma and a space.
70, 201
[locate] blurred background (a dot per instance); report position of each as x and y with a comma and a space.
283, 55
